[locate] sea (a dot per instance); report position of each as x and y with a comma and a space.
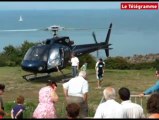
134, 32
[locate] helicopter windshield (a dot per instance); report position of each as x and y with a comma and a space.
54, 58
36, 53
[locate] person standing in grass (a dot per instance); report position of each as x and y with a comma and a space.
99, 67
76, 91
18, 109
84, 67
47, 99
74, 64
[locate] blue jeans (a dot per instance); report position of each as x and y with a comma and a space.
74, 71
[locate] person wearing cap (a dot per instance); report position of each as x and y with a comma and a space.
47, 99
2, 113
99, 67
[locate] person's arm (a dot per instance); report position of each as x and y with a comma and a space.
98, 113
96, 66
77, 64
152, 89
54, 96
85, 91
65, 89
12, 116
65, 92
85, 96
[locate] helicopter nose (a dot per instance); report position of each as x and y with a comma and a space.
33, 66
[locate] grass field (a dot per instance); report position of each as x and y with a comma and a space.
136, 80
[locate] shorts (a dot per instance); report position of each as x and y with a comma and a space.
99, 76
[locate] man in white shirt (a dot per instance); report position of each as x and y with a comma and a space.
110, 108
131, 110
74, 64
76, 91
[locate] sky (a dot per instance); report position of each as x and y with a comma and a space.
16, 5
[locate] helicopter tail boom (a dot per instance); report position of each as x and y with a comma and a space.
88, 48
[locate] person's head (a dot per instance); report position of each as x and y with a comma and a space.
153, 103
157, 73
2, 87
83, 74
72, 54
100, 59
124, 93
73, 110
85, 63
52, 84
20, 99
109, 93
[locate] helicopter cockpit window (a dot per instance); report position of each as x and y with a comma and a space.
54, 58
48, 42
36, 53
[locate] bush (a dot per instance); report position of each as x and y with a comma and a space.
89, 59
117, 63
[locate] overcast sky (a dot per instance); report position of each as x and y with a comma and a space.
57, 5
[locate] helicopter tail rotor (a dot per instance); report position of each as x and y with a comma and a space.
107, 41
94, 36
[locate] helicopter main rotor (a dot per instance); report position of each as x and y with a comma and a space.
53, 28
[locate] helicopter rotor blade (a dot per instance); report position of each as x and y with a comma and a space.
84, 28
20, 30
94, 36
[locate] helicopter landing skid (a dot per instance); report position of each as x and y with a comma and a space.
30, 77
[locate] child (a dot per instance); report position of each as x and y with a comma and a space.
84, 67
17, 110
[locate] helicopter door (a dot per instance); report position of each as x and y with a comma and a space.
61, 51
54, 58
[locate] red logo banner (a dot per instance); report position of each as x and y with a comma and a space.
139, 6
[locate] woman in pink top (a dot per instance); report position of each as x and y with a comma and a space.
47, 99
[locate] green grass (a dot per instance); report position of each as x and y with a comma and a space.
136, 80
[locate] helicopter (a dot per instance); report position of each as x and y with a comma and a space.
54, 53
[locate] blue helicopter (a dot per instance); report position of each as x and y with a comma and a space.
54, 54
